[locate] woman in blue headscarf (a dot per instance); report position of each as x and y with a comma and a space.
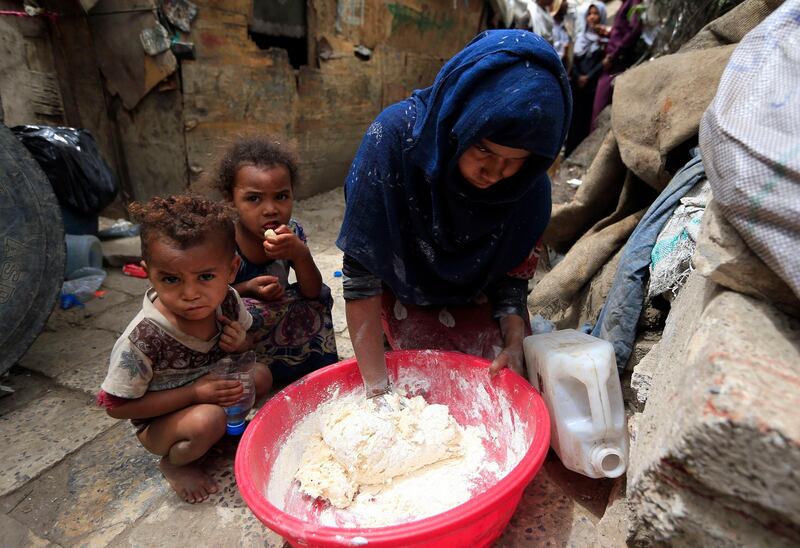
446, 200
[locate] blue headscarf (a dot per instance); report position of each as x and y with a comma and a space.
411, 217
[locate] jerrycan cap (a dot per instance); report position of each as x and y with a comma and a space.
608, 461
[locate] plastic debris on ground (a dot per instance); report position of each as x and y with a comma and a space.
68, 300
134, 270
671, 258
82, 286
82, 251
540, 325
574, 183
120, 229
182, 50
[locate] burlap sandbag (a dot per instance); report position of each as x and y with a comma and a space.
656, 111
657, 107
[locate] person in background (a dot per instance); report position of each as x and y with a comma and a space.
534, 15
541, 20
446, 200
587, 65
619, 55
562, 41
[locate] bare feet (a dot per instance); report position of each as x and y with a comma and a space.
189, 481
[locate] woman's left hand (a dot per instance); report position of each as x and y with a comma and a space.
510, 357
513, 330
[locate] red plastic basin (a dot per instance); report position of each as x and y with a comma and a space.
451, 378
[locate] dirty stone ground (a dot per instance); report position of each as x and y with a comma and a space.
72, 476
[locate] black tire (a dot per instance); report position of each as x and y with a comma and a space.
31, 249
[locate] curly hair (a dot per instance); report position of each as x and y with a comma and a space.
184, 221
261, 152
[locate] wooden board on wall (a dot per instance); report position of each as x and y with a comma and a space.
128, 70
155, 148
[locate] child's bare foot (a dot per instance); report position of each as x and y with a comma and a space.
189, 481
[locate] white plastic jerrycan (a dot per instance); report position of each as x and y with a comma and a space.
576, 374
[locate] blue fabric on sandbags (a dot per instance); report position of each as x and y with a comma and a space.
619, 316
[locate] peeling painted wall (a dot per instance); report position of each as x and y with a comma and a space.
322, 109
164, 135
28, 82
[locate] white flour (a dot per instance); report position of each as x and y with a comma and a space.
464, 466
363, 444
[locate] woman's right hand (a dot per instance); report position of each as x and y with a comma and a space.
366, 332
210, 389
264, 288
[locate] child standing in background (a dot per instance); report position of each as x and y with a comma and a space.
190, 318
293, 328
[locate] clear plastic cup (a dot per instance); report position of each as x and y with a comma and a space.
238, 368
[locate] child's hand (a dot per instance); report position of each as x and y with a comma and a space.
209, 389
233, 335
265, 288
285, 245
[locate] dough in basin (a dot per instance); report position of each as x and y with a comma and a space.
361, 444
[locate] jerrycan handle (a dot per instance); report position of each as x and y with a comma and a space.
600, 409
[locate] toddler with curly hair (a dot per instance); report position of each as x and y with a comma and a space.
158, 375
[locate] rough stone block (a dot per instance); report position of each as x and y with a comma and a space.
642, 376
724, 257
16, 534
642, 346
38, 435
54, 352
679, 515
86, 376
612, 528
95, 493
717, 454
117, 319
222, 520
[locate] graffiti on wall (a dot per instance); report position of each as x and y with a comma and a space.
405, 16
349, 12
